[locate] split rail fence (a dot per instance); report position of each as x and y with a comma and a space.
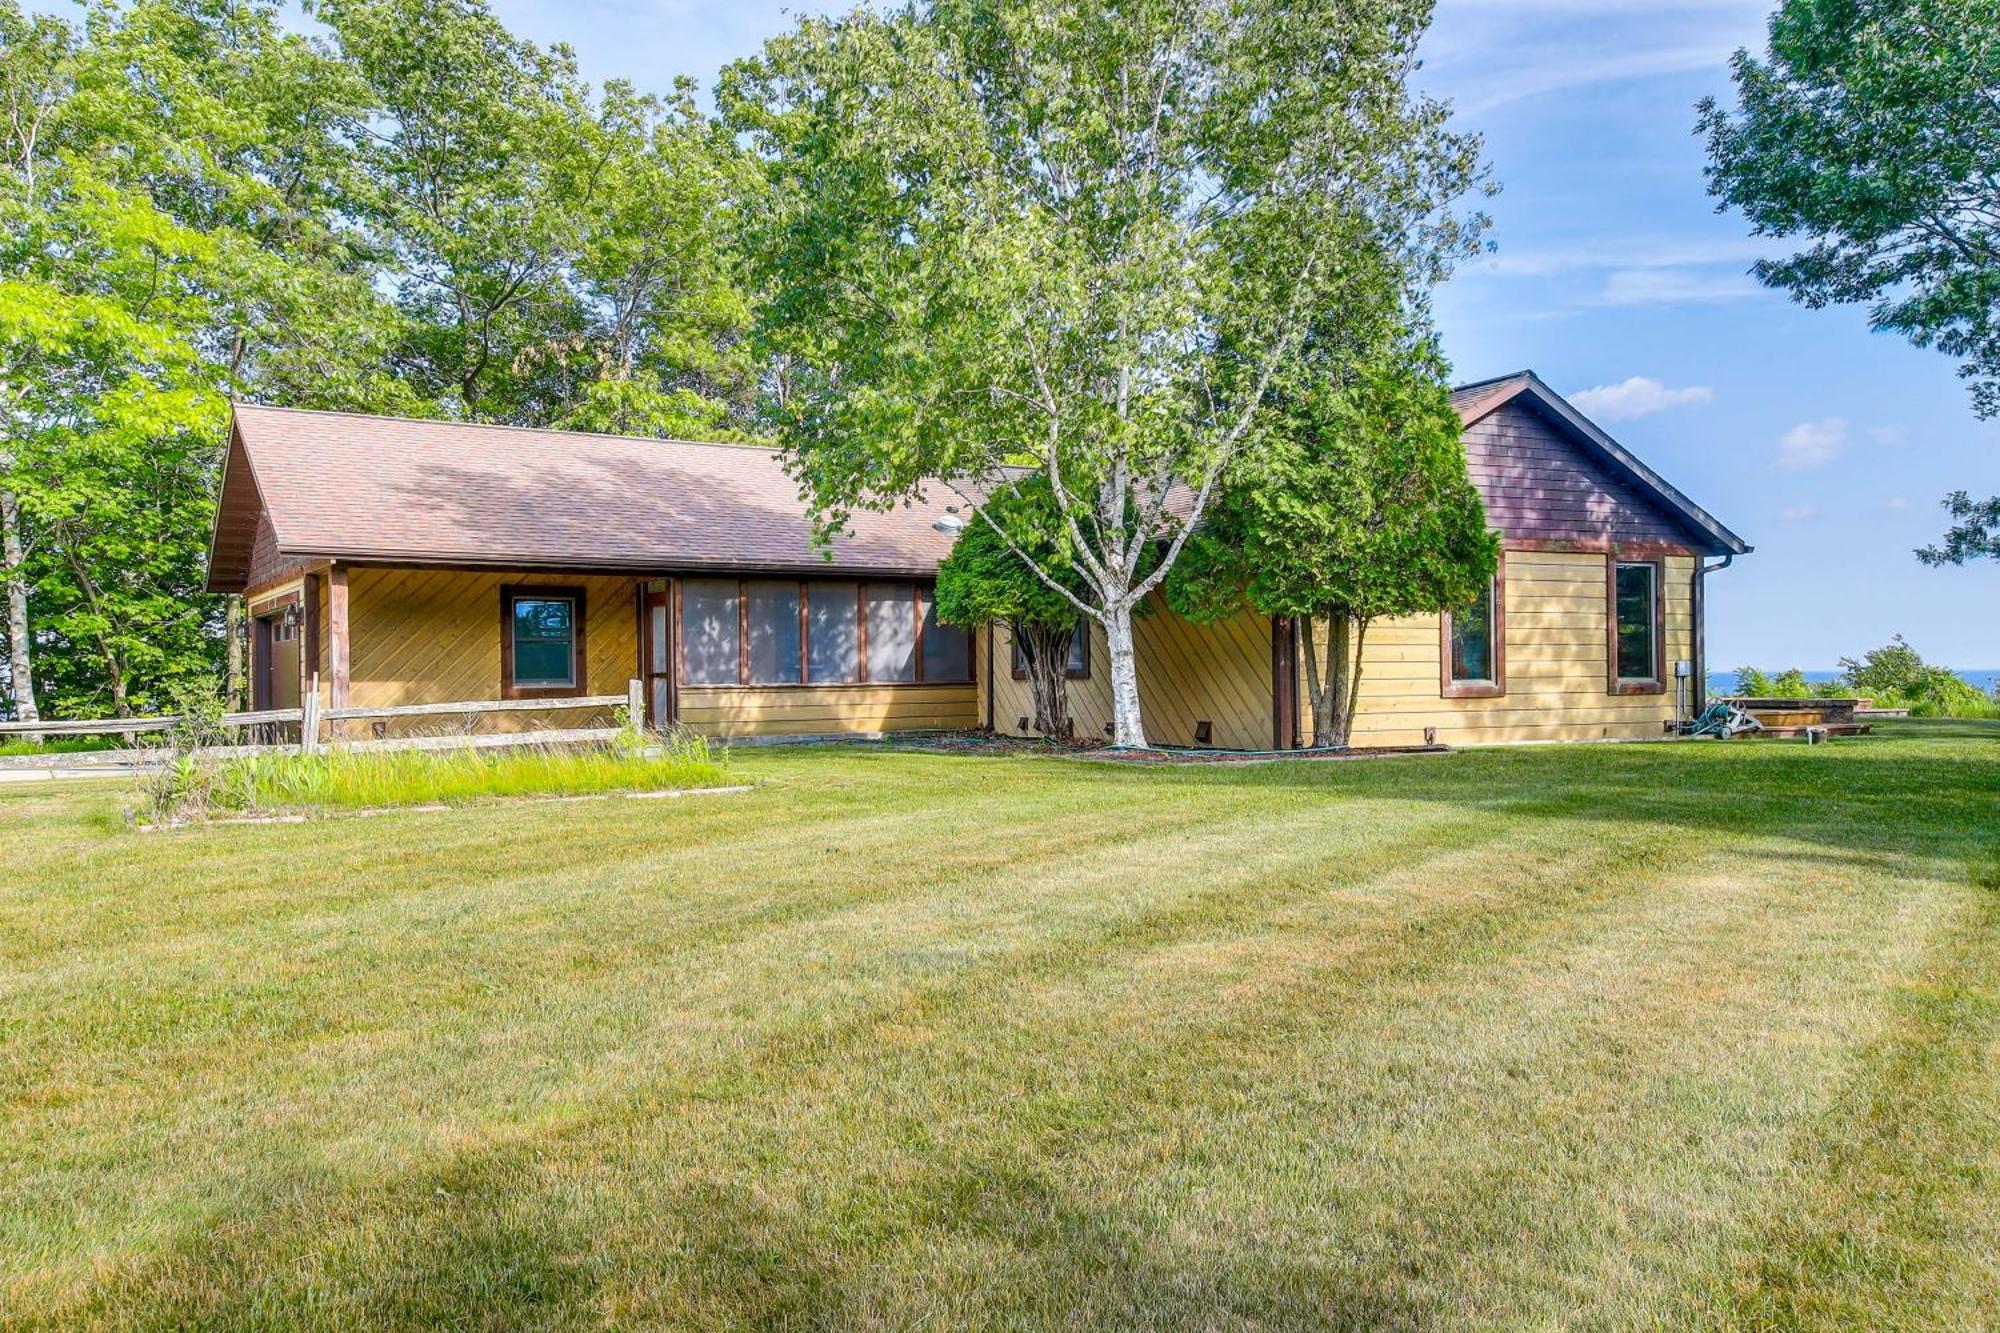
311, 728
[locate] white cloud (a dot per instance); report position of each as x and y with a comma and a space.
1561, 70
1898, 502
1625, 252
1812, 444
1673, 286
1638, 396
1893, 436
1797, 513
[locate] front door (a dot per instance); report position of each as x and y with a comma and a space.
657, 652
274, 662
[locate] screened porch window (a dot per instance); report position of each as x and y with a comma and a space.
711, 646
774, 634
781, 632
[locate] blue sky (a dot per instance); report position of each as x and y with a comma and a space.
1826, 446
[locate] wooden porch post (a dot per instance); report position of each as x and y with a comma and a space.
338, 662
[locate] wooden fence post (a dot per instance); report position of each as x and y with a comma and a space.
309, 718
635, 704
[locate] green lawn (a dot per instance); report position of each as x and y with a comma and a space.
1601, 1037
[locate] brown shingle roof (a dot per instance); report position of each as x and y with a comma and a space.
352, 487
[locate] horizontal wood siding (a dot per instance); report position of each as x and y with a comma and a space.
1556, 661
1538, 483
421, 636
815, 710
1188, 673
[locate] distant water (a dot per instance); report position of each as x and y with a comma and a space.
1724, 682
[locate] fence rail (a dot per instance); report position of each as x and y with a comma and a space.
309, 718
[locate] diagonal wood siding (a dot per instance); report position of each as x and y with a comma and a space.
1188, 673
421, 636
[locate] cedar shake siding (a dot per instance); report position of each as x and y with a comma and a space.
1540, 484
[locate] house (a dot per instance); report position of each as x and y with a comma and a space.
404, 562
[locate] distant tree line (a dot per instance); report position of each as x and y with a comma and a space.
1893, 676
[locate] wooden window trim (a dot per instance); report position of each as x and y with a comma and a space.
1478, 689
1017, 667
1615, 683
578, 619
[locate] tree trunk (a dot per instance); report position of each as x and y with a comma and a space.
1354, 682
233, 652
20, 649
1128, 729
1045, 654
1340, 660
1318, 685
1336, 690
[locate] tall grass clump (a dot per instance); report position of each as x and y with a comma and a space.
11, 747
344, 779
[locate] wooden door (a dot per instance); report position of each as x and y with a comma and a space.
657, 658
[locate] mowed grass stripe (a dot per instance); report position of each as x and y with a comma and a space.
816, 1054
1549, 1064
861, 949
1886, 1219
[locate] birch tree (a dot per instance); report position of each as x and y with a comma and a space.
1080, 237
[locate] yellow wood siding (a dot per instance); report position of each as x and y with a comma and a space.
1556, 664
1187, 673
814, 710
433, 636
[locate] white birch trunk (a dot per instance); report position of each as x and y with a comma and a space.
1128, 728
20, 659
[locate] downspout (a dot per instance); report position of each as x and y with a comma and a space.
1701, 573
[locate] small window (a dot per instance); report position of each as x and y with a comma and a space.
544, 641
892, 632
541, 631
1078, 667
1635, 632
711, 641
1472, 641
833, 633
947, 648
774, 634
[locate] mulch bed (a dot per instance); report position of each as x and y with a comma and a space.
979, 742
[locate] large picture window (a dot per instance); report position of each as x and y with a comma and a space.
1473, 644
541, 642
768, 632
1635, 633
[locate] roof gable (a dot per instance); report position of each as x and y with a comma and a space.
1616, 490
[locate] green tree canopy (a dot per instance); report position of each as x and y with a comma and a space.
1872, 128
1083, 237
1358, 508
